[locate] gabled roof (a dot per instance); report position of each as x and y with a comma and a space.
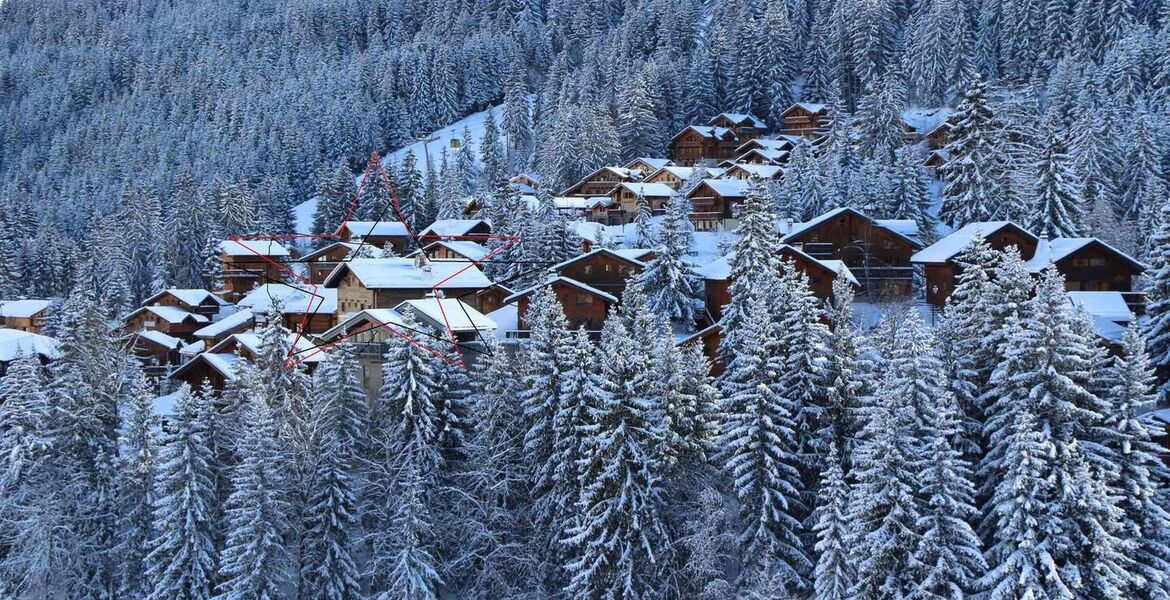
623, 255
363, 229
190, 297
373, 316
293, 299
768, 154
446, 313
472, 251
567, 281
159, 338
170, 314
401, 273
581, 202
22, 309
349, 247
739, 119
650, 190
621, 173
954, 244
240, 319
252, 248
14, 341
707, 131
255, 343
223, 363
808, 106
654, 163
1058, 249
784, 142
761, 171
720, 268
1107, 305
451, 227
731, 188
898, 227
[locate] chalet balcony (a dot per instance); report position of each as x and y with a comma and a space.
523, 334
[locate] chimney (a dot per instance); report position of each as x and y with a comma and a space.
421, 262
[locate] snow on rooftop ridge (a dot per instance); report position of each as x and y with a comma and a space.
738, 118
451, 227
566, 280
1107, 305
954, 244
236, 319
14, 341
473, 251
170, 314
160, 338
293, 299
189, 296
401, 273
22, 309
1057, 249
648, 189
252, 248
451, 313
362, 229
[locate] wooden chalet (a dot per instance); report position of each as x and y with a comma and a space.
877, 251
936, 159
217, 365
676, 177
377, 233
696, 144
491, 298
24, 315
643, 166
939, 259
625, 201
594, 209
601, 181
605, 269
584, 305
155, 350
821, 275
940, 136
369, 331
766, 172
200, 302
237, 322
745, 126
1090, 265
713, 201
526, 183
248, 263
302, 309
446, 229
170, 320
805, 119
323, 260
387, 282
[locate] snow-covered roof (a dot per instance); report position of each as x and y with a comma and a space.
769, 154
734, 188
448, 312
170, 314
13, 341
473, 251
706, 131
193, 348
293, 299
164, 406
809, 106
651, 190
903, 228
190, 297
22, 309
926, 120
160, 338
349, 247
567, 281
254, 343
840, 268
654, 163
1108, 305
755, 170
580, 202
955, 243
252, 248
626, 255
363, 229
452, 227
1058, 249
779, 143
237, 319
401, 273
738, 119
384, 316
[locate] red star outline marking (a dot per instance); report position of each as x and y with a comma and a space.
293, 358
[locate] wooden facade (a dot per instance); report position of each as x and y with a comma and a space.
717, 287
170, 320
878, 256
712, 202
322, 261
1098, 267
805, 120
603, 269
379, 235
200, 302
24, 315
746, 127
584, 307
625, 199
942, 273
354, 295
600, 182
699, 143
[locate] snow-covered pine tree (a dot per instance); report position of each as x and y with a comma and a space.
932, 46
671, 280
618, 543
517, 121
802, 371
334, 197
491, 154
1156, 326
948, 554
340, 418
880, 114
755, 254
1140, 472
909, 193
1057, 210
758, 450
844, 374
974, 172
643, 234
638, 126
254, 561
834, 573
689, 402
181, 563
135, 481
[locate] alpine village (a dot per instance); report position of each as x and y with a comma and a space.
630, 300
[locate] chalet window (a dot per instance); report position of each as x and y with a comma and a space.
609, 268
148, 324
887, 244
1072, 286
588, 269
584, 299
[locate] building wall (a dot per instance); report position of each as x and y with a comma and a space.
148, 320
1096, 269
717, 292
940, 282
352, 296
31, 325
207, 309
802, 122
878, 257
603, 272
